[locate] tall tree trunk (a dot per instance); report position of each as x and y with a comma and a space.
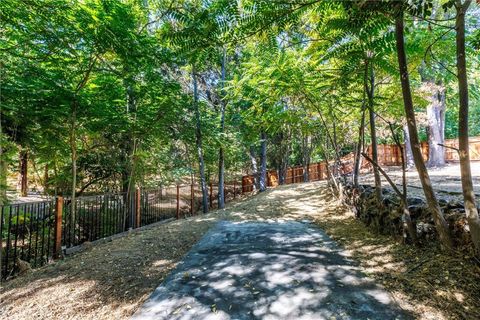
358, 150
253, 160
263, 161
440, 223
131, 146
221, 156
198, 139
370, 86
46, 177
408, 148
3, 166
3, 181
306, 142
467, 186
24, 172
436, 122
73, 157
282, 152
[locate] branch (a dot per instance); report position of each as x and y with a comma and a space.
392, 184
449, 147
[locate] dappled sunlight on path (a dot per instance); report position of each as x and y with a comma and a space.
282, 270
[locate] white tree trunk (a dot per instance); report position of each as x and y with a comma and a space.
436, 123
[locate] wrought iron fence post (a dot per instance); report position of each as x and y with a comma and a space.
58, 227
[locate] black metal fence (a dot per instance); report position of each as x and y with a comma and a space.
96, 217
35, 232
158, 205
26, 235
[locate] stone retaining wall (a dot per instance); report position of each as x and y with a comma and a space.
387, 218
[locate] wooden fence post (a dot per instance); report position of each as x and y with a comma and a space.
178, 202
138, 220
57, 248
192, 195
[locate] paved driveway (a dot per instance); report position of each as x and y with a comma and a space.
280, 270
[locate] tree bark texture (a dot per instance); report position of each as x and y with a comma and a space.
471, 210
409, 163
440, 223
370, 85
199, 143
263, 161
253, 160
221, 152
436, 122
24, 173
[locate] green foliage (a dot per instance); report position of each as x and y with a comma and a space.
111, 81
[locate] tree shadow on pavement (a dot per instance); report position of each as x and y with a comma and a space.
286, 270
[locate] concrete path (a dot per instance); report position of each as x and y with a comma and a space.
282, 270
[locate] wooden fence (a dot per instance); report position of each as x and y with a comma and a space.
316, 171
388, 155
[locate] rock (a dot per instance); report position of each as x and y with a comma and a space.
415, 201
87, 245
63, 267
417, 211
22, 266
454, 204
443, 203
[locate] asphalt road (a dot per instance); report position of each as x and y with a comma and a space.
281, 270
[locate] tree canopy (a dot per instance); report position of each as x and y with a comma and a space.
113, 95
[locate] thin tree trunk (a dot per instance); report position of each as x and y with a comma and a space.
253, 159
408, 148
471, 210
221, 155
24, 173
306, 157
440, 223
3, 164
3, 181
282, 154
198, 139
263, 161
73, 155
330, 176
369, 88
358, 150
45, 179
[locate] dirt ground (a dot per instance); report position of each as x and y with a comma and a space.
446, 180
111, 280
